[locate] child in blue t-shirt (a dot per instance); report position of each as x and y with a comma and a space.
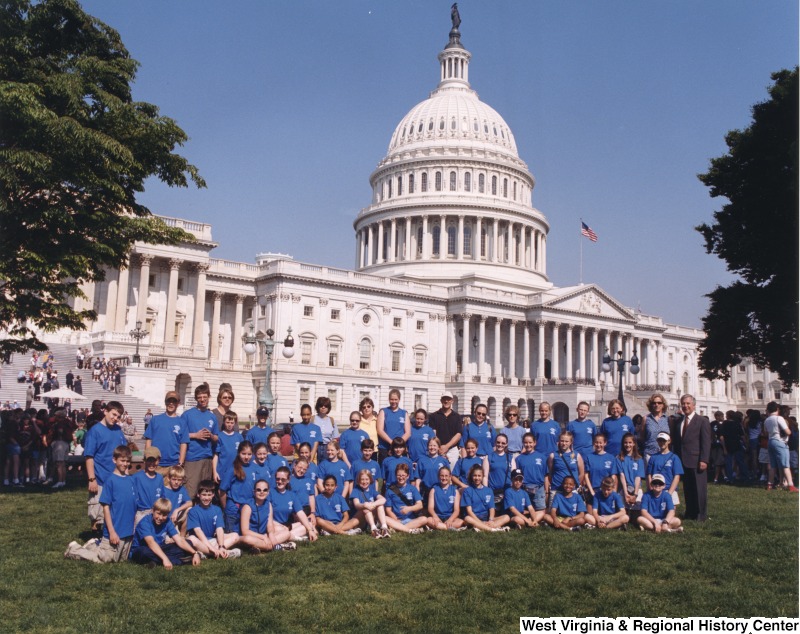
149, 484
399, 455
461, 472
599, 465
204, 525
304, 486
368, 504
608, 507
444, 503
629, 465
149, 541
227, 445
568, 510
287, 508
337, 468
351, 439
477, 504
533, 465
312, 471
426, 471
306, 431
177, 494
333, 514
404, 503
667, 464
366, 462
658, 512
517, 503
421, 433
275, 459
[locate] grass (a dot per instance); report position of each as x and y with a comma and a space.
742, 563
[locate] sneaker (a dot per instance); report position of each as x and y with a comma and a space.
770, 486
234, 553
59, 485
666, 529
385, 532
354, 531
254, 551
505, 529
376, 533
641, 528
589, 527
763, 478
575, 529
286, 546
476, 529
416, 531
678, 530
71, 547
302, 538
6, 483
793, 489
17, 483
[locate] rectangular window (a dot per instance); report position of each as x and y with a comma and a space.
362, 394
759, 395
335, 314
395, 360
777, 394
397, 322
180, 283
424, 185
305, 353
742, 392
419, 362
249, 313
308, 311
333, 394
151, 282
364, 354
417, 401
305, 396
333, 355
420, 325
262, 310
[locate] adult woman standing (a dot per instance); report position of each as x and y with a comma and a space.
225, 400
616, 426
369, 419
327, 425
655, 423
393, 422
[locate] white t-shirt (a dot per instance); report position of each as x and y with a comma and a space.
775, 425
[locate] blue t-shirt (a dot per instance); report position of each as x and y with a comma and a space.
99, 443
274, 462
583, 432
480, 500
389, 466
350, 442
362, 465
167, 433
208, 520
239, 491
306, 432
148, 528
261, 471
195, 421
303, 488
483, 434
331, 508
499, 471
178, 496
658, 507
370, 494
630, 468
409, 496
284, 505
227, 446
599, 466
258, 434
394, 425
564, 464
533, 466
338, 470
119, 494
668, 465
259, 516
516, 498
418, 442
148, 489
444, 500
514, 435
614, 431
568, 506
546, 434
463, 465
427, 469
607, 505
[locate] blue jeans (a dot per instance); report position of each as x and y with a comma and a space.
738, 456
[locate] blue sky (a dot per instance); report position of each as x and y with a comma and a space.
616, 106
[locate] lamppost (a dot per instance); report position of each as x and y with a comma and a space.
634, 361
251, 342
138, 334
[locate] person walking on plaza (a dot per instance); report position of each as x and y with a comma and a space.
691, 441
447, 425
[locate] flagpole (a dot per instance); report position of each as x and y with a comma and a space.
580, 239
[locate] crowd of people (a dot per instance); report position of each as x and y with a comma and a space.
209, 489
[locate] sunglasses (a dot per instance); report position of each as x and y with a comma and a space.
262, 490
355, 420
281, 480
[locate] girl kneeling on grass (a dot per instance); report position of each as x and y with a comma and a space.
404, 503
258, 529
444, 503
368, 504
477, 503
568, 510
204, 526
333, 516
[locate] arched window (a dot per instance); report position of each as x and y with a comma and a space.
420, 127
411, 184
515, 190
441, 124
452, 124
438, 181
505, 188
452, 181
494, 187
451, 240
481, 183
390, 188
419, 240
424, 184
483, 242
467, 240
364, 354
437, 235
399, 185
468, 181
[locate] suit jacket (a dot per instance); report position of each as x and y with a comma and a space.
694, 446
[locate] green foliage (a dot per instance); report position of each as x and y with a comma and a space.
75, 149
742, 563
756, 234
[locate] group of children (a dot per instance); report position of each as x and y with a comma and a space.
259, 501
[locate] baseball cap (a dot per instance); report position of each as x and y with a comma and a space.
657, 477
516, 473
152, 452
663, 436
172, 395
262, 411
447, 395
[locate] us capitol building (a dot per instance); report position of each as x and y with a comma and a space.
449, 292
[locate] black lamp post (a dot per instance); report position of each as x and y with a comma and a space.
138, 334
251, 343
634, 361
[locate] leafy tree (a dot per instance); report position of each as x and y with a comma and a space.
75, 149
756, 234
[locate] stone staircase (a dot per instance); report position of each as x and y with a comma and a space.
65, 361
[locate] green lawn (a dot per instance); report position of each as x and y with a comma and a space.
742, 563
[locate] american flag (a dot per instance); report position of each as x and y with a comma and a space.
587, 231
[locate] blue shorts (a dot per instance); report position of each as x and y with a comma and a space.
13, 450
778, 454
538, 499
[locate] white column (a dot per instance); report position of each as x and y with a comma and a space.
527, 239
497, 370
379, 256
466, 343
121, 314
579, 371
442, 237
214, 343
111, 301
554, 369
476, 240
360, 254
198, 342
510, 235
526, 351
496, 241
541, 325
172, 300
392, 240
425, 239
452, 330
544, 254
595, 355
144, 286
460, 239
568, 372
481, 342
658, 361
236, 344
512, 348
407, 244
370, 245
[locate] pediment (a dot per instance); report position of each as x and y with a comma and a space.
590, 301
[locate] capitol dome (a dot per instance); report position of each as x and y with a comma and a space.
452, 200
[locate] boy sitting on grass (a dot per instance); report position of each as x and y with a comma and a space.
658, 511
608, 507
149, 545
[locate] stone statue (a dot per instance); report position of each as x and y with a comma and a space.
455, 18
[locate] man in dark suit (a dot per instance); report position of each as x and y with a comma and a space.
691, 440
